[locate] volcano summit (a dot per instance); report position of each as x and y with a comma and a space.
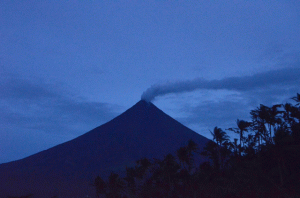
68, 169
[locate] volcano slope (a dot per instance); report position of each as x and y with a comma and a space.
68, 169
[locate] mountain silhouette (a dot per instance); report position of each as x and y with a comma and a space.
68, 169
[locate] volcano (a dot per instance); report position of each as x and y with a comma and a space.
68, 169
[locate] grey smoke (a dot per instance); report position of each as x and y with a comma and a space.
280, 77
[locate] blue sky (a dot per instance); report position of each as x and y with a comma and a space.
69, 66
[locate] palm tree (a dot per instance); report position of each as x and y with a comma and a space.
100, 186
297, 99
210, 150
270, 117
264, 115
250, 146
143, 165
235, 146
165, 174
115, 186
192, 146
273, 117
243, 126
183, 156
282, 147
288, 109
130, 179
220, 136
258, 125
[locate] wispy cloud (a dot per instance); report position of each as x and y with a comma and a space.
46, 107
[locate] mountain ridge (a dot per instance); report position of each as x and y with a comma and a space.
141, 131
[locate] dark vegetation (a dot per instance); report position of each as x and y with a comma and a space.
26, 196
263, 162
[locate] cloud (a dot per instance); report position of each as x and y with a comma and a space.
28, 104
206, 115
212, 113
212, 108
16, 88
280, 77
279, 55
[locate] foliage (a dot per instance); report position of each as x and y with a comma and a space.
261, 165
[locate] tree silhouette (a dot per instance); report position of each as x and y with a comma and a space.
242, 127
287, 113
220, 136
100, 186
25, 196
115, 186
185, 154
131, 174
297, 99
210, 150
273, 117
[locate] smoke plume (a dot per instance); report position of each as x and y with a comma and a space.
281, 77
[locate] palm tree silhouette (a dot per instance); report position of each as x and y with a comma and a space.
183, 156
269, 115
287, 114
258, 125
220, 136
243, 126
100, 186
115, 186
273, 117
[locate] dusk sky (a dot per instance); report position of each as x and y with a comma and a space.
69, 66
